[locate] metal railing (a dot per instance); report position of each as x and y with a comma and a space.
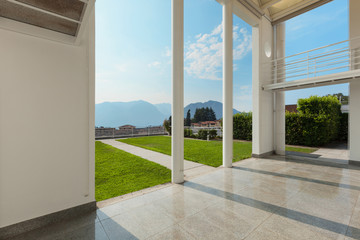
333, 58
134, 132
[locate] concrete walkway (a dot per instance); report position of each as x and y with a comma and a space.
191, 169
334, 152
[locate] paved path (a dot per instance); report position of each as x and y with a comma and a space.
335, 152
191, 169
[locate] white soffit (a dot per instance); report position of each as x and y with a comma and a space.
281, 10
59, 20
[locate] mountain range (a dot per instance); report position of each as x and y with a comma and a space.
142, 114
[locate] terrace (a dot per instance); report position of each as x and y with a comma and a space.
47, 189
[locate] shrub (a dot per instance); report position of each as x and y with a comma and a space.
202, 134
328, 105
243, 126
212, 133
188, 132
167, 126
308, 129
344, 127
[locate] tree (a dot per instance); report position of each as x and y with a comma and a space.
212, 115
342, 98
204, 114
167, 125
188, 118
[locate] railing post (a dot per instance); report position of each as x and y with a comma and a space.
350, 59
275, 80
307, 59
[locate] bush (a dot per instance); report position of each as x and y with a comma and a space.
188, 132
308, 129
344, 127
212, 133
202, 134
327, 105
318, 122
167, 126
242, 123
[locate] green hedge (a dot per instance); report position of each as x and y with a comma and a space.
188, 132
212, 133
344, 127
243, 126
203, 133
309, 129
327, 105
318, 122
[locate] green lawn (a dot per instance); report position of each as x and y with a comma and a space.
118, 172
301, 149
208, 153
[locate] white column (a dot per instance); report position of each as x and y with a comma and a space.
354, 93
263, 101
177, 126
280, 96
228, 84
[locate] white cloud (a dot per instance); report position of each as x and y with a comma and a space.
121, 67
203, 56
154, 64
167, 52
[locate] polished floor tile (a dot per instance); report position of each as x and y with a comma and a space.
273, 198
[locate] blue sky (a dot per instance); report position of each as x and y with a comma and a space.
133, 42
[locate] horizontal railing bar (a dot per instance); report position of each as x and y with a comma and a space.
312, 64
314, 72
315, 49
313, 67
307, 60
312, 58
341, 55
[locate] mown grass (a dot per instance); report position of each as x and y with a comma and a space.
118, 172
301, 149
204, 152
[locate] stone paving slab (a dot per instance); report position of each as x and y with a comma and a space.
268, 198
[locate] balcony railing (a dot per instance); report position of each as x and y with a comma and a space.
333, 58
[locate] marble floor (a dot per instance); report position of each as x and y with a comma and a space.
274, 198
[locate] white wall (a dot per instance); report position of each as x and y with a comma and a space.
263, 101
354, 120
46, 125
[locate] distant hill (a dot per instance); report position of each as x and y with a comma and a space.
142, 113
216, 106
137, 113
164, 108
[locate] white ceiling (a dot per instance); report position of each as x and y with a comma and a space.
281, 10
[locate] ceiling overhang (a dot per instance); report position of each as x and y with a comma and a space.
60, 20
278, 11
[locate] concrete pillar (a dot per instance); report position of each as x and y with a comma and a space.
228, 83
354, 93
263, 101
177, 126
280, 96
